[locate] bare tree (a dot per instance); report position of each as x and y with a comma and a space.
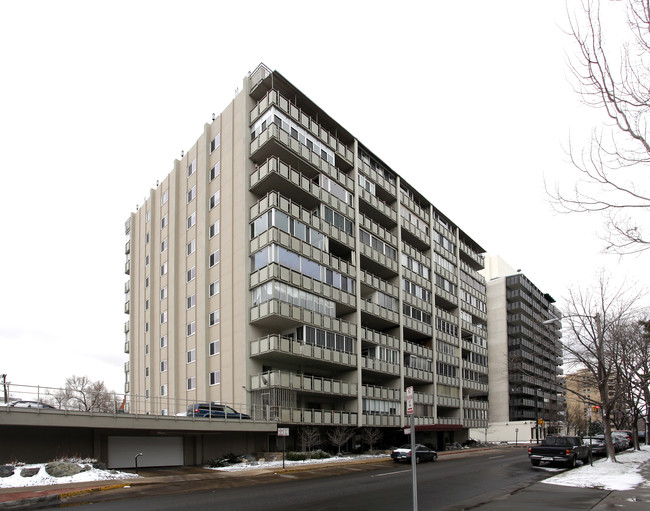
86, 395
339, 435
371, 436
612, 74
575, 420
634, 371
595, 340
309, 437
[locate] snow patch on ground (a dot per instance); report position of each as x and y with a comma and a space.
622, 475
237, 467
44, 479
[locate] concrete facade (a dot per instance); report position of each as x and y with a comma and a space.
282, 268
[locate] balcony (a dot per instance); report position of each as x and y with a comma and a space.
387, 189
127, 347
376, 209
346, 301
275, 175
126, 327
377, 263
127, 226
471, 257
127, 267
303, 383
127, 287
127, 247
127, 307
448, 402
378, 420
273, 98
277, 314
470, 404
379, 366
376, 392
379, 338
378, 317
315, 417
279, 349
419, 329
414, 236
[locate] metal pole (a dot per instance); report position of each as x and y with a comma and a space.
284, 448
536, 417
413, 465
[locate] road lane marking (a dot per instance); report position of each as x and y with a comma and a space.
495, 457
391, 473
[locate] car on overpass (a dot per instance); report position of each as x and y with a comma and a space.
215, 411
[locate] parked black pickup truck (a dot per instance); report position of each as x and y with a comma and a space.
560, 449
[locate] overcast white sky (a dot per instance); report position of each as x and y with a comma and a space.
468, 101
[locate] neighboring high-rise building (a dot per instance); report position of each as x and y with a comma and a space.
525, 355
284, 269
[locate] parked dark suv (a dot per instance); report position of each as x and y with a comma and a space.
215, 411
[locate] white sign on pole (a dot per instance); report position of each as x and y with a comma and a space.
283, 431
407, 431
409, 400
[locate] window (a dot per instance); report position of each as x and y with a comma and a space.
215, 378
191, 274
191, 383
146, 348
163, 341
163, 293
163, 367
215, 347
191, 247
191, 220
191, 168
214, 288
215, 199
191, 328
165, 197
148, 216
214, 257
163, 317
146, 238
191, 356
191, 195
163, 221
163, 245
216, 142
163, 391
146, 259
146, 393
146, 329
215, 171
215, 317
146, 305
146, 371
146, 282
214, 229
163, 269
191, 301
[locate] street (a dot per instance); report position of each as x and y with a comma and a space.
484, 480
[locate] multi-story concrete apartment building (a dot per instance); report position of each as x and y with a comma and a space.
525, 356
283, 268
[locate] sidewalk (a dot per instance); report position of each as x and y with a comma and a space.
635, 499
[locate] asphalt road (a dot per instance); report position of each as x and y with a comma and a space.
486, 480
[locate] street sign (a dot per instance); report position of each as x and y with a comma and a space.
407, 431
409, 400
283, 431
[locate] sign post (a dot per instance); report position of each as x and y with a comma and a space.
284, 433
409, 412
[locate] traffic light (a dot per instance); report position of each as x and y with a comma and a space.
596, 409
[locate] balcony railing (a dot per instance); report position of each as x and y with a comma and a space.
302, 382
279, 344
